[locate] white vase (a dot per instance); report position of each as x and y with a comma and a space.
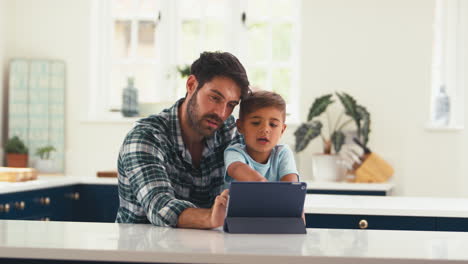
45, 166
327, 168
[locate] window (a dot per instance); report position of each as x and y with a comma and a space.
150, 39
447, 104
133, 48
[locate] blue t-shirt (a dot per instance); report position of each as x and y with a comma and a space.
280, 163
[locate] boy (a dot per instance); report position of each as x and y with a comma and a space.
261, 121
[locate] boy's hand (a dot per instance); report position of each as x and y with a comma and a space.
218, 210
243, 172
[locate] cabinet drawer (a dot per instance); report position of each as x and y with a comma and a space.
98, 203
452, 224
21, 205
370, 222
50, 203
347, 192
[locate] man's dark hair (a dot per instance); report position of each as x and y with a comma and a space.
220, 64
261, 99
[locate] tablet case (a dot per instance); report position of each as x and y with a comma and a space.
266, 208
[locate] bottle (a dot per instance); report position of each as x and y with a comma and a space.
442, 108
130, 99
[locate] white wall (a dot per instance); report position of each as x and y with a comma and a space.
3, 14
59, 29
378, 51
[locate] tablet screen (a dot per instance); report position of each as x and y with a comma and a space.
266, 199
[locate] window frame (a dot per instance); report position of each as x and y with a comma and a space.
168, 55
450, 19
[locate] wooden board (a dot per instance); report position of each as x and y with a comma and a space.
8, 174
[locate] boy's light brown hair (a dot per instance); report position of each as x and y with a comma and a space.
261, 99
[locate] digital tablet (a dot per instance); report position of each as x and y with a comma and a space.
265, 207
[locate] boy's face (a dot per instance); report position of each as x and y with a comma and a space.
262, 129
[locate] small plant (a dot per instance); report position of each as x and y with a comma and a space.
15, 145
313, 127
44, 152
184, 70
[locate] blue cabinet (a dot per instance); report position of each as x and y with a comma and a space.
45, 204
87, 203
387, 222
456, 224
97, 203
348, 192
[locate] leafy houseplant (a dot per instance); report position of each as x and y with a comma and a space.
17, 153
311, 129
44, 164
44, 152
184, 70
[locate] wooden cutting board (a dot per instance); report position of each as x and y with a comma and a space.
8, 174
107, 174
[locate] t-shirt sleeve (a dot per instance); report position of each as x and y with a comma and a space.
231, 155
287, 165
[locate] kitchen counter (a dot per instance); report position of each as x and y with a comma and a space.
52, 181
383, 187
386, 205
149, 244
57, 181
315, 203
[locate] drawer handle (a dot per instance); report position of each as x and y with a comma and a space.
4, 208
20, 205
363, 224
74, 196
45, 200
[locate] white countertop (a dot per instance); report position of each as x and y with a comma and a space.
150, 244
346, 186
386, 205
52, 181
58, 181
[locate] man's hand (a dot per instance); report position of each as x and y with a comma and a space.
205, 218
218, 211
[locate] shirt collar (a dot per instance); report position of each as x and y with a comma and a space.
175, 125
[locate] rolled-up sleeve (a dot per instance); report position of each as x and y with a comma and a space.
144, 162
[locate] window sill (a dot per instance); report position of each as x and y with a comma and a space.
294, 123
114, 120
432, 128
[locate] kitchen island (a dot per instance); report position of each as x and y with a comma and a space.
91, 199
377, 189
72, 242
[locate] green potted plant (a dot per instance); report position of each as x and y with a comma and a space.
45, 164
184, 70
16, 153
327, 164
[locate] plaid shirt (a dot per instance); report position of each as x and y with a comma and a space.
156, 178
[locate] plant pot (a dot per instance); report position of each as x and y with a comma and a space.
45, 166
327, 168
17, 160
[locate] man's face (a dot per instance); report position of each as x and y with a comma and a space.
209, 106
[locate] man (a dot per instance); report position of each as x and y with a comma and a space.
171, 164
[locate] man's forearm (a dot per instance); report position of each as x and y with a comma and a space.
195, 218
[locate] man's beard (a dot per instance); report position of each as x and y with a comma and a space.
196, 122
